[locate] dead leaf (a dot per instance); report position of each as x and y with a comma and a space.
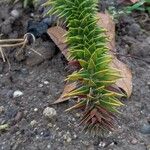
125, 83
57, 35
105, 21
68, 88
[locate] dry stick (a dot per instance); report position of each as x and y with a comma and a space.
7, 60
35, 51
13, 43
11, 40
2, 53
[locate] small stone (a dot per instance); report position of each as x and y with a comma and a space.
69, 140
17, 94
148, 147
49, 146
145, 129
57, 128
78, 115
35, 109
67, 137
74, 136
37, 137
18, 116
46, 51
32, 15
40, 85
102, 144
33, 123
15, 13
134, 29
73, 119
2, 109
46, 82
50, 125
148, 40
49, 112
134, 141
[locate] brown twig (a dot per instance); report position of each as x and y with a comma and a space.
8, 43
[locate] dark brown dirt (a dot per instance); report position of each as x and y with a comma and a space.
41, 81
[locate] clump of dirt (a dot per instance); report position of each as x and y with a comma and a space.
35, 81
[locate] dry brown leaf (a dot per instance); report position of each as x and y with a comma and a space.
105, 21
68, 88
57, 35
125, 83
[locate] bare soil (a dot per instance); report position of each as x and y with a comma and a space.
41, 80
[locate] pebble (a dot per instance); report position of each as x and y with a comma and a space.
78, 115
74, 136
148, 147
18, 116
50, 125
40, 85
145, 129
46, 82
69, 140
4, 127
134, 141
2, 109
49, 146
35, 109
17, 94
67, 137
134, 29
148, 40
33, 123
15, 13
102, 144
49, 112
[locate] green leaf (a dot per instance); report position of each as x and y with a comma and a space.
80, 91
91, 65
83, 63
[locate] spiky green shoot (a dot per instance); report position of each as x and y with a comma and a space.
87, 42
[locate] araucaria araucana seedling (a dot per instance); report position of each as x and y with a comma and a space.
87, 42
